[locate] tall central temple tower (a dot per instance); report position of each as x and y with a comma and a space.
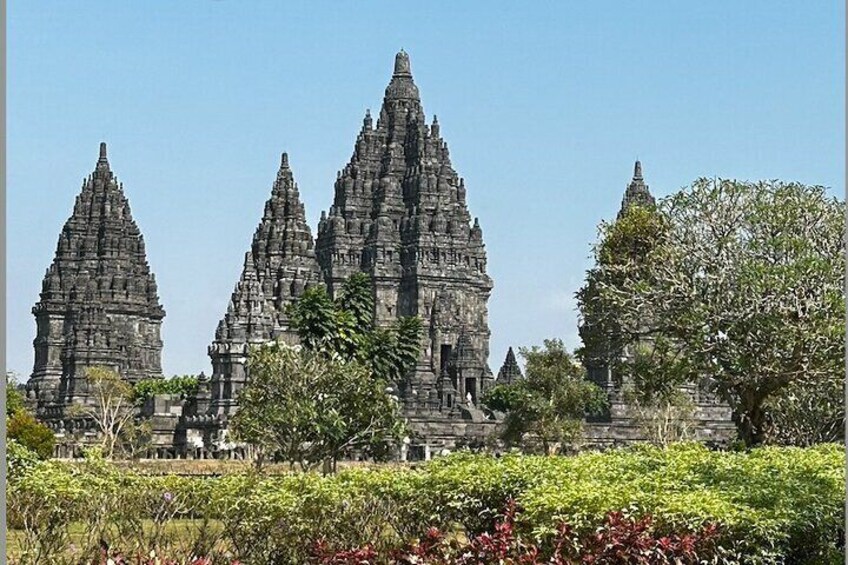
400, 215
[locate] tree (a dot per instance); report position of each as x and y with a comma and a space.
551, 402
30, 433
807, 412
184, 385
649, 372
111, 408
22, 426
335, 393
14, 398
307, 407
620, 255
345, 327
744, 287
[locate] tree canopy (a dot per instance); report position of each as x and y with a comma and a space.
184, 385
345, 327
21, 424
744, 284
334, 393
550, 402
306, 407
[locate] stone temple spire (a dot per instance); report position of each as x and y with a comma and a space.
102, 162
510, 371
637, 192
278, 268
402, 86
99, 303
400, 214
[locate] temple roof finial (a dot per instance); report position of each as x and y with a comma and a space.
637, 192
102, 162
402, 66
284, 161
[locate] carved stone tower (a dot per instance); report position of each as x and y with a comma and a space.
510, 371
597, 347
278, 268
637, 192
400, 215
98, 302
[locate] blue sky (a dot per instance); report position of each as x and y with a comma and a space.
544, 106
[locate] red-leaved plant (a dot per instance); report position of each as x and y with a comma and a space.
620, 540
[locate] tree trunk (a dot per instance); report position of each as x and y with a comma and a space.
260, 458
750, 424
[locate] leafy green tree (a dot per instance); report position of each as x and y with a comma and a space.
111, 408
746, 288
14, 397
307, 408
550, 402
345, 327
620, 255
185, 385
649, 372
334, 393
807, 412
22, 427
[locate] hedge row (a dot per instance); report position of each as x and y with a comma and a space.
772, 505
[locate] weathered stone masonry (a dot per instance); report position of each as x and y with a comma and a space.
98, 304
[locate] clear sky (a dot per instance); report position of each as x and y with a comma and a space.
544, 107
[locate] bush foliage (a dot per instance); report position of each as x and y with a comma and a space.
768, 505
185, 385
29, 432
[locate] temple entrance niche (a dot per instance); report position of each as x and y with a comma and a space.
471, 389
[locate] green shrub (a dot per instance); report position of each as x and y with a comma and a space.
185, 385
772, 505
18, 458
22, 427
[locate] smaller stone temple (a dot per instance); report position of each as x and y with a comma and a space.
98, 304
637, 192
509, 371
279, 266
711, 419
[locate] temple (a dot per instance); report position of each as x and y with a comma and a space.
709, 420
509, 371
399, 213
98, 304
279, 266
637, 192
